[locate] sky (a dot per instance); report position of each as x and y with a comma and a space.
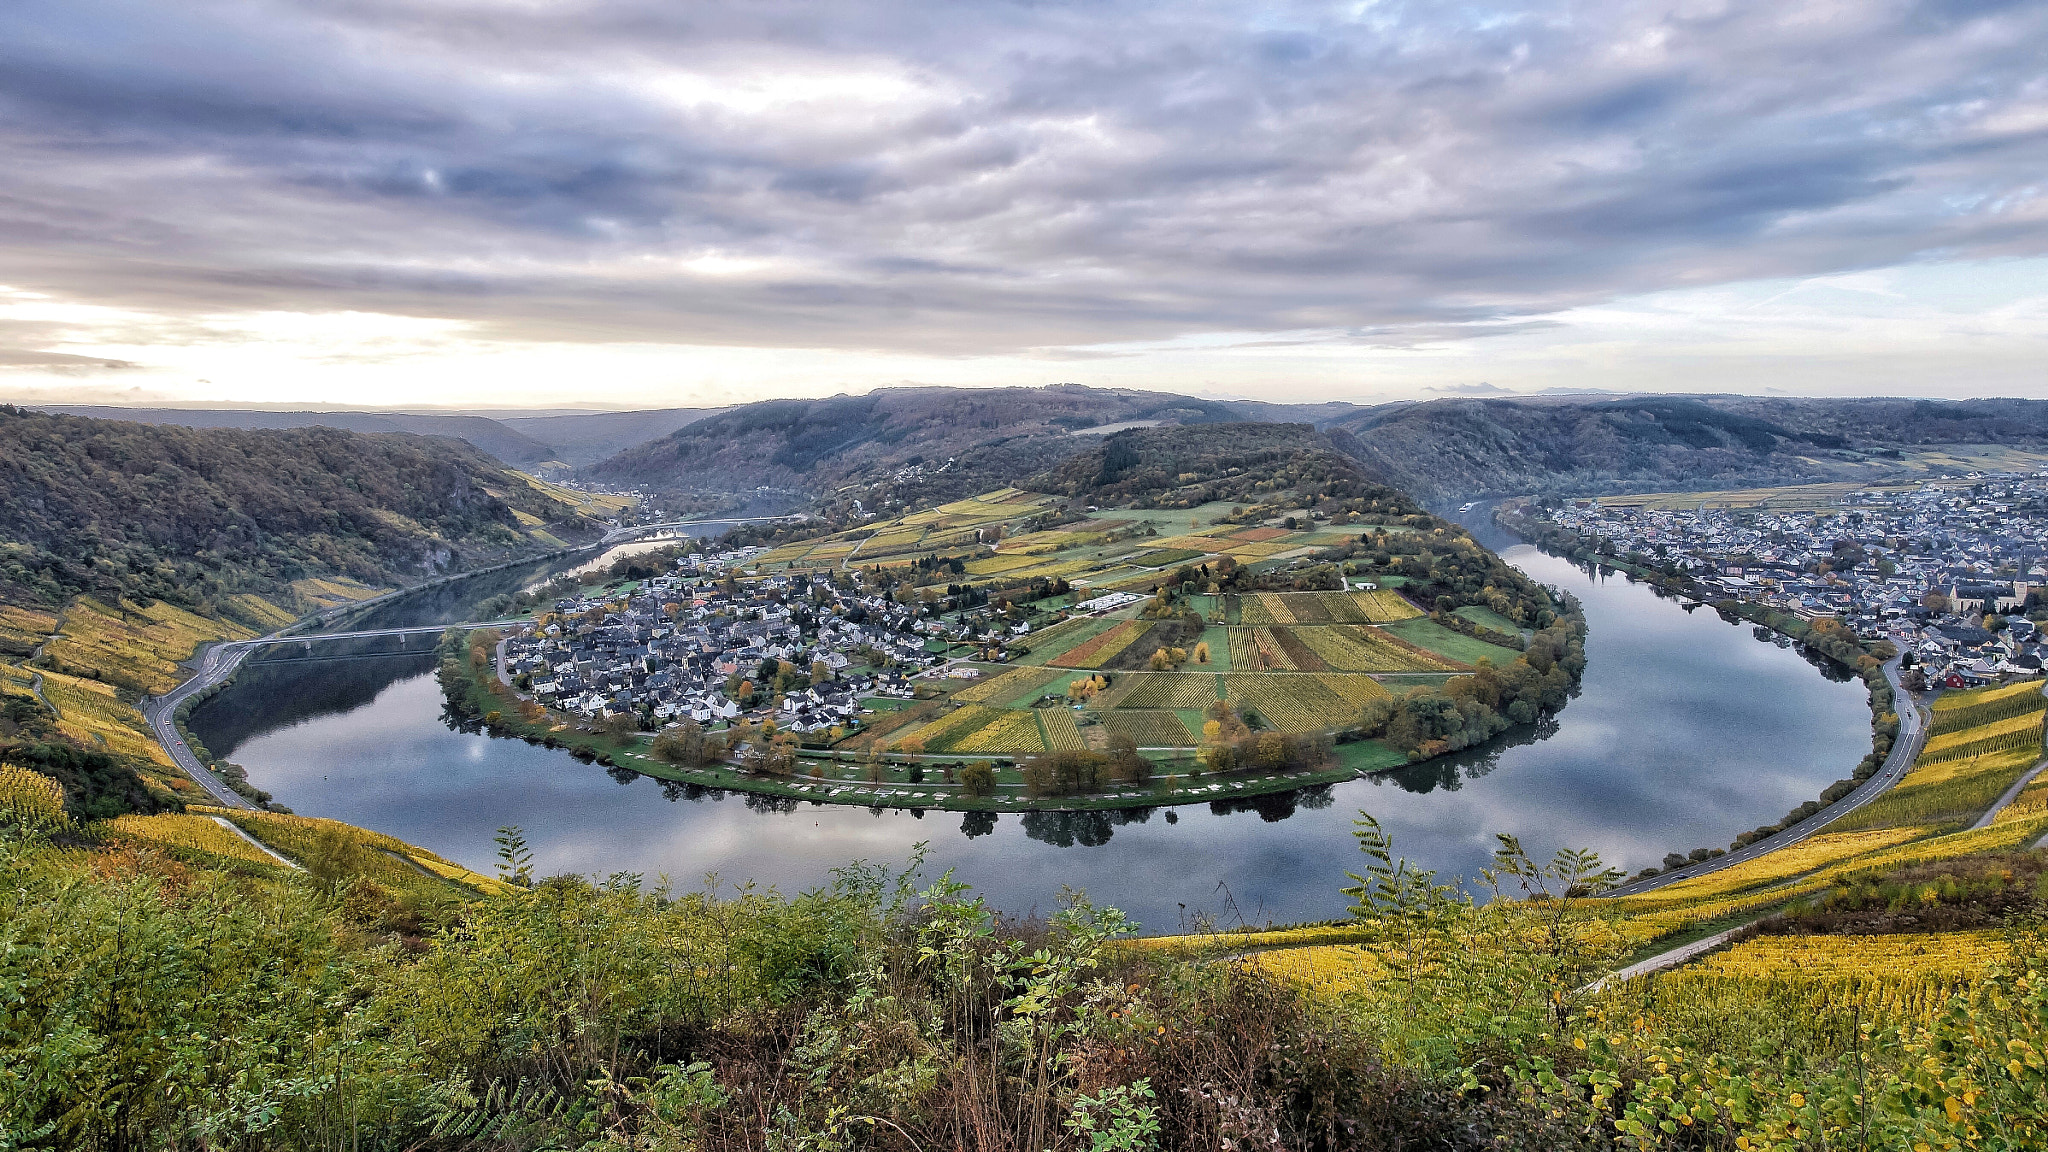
643, 203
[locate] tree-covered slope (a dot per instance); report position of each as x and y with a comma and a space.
115, 509
1187, 466
959, 440
1448, 450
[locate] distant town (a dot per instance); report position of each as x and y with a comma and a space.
1954, 571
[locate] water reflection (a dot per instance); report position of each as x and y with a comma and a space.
1686, 731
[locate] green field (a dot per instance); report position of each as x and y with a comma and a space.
1426, 633
1369, 756
1487, 618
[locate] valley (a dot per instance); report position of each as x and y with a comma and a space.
1182, 669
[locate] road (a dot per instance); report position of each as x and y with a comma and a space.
1697, 948
1912, 733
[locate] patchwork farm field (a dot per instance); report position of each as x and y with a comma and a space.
1089, 669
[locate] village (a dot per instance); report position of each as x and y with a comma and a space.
811, 651
1952, 571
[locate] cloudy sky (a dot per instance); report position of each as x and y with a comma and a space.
638, 202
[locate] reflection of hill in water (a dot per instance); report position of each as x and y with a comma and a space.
454, 602
288, 686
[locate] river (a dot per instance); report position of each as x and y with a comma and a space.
1687, 730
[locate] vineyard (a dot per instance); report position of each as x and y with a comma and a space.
1063, 637
1814, 993
1102, 649
1332, 969
1151, 728
198, 833
95, 716
1062, 734
1947, 791
1357, 649
1014, 683
30, 798
1301, 703
940, 734
1953, 710
393, 863
2018, 731
1009, 731
1165, 690
135, 647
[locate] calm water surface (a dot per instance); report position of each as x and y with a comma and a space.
1687, 731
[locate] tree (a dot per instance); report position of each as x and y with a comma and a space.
1202, 652
820, 672
515, 861
978, 779
685, 744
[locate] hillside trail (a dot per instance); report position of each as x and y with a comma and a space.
36, 678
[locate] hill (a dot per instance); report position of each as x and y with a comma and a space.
923, 444
518, 438
491, 436
1186, 466
1445, 451
582, 438
200, 517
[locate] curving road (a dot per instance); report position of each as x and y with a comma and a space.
1905, 749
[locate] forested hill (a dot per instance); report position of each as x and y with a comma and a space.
1182, 467
989, 436
113, 509
1449, 450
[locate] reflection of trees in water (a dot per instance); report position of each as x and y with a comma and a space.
287, 690
1090, 829
1450, 772
974, 824
1065, 829
455, 601
673, 790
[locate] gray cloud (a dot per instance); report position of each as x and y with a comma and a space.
991, 176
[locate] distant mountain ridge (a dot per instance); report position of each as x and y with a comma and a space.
1442, 451
990, 435
1448, 450
197, 517
523, 441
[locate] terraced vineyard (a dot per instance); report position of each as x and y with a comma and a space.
2019, 731
1957, 710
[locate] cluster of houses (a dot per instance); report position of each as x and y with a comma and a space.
680, 643
1950, 569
